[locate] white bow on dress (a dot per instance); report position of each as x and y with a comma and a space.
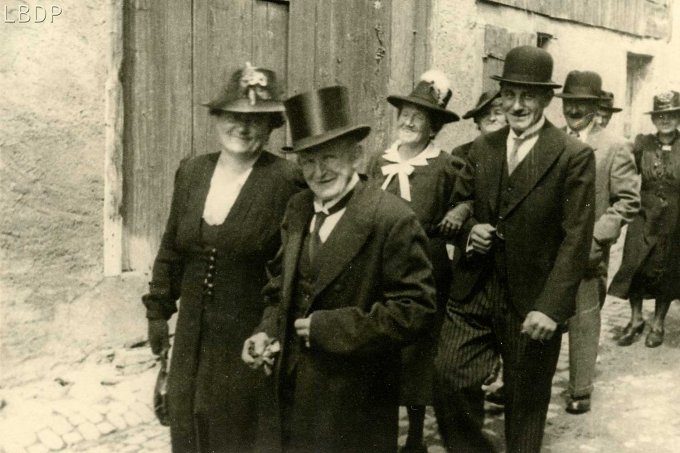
404, 168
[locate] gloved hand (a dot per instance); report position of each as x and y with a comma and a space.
159, 337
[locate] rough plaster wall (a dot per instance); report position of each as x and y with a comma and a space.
52, 114
458, 35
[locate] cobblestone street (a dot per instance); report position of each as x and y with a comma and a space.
103, 404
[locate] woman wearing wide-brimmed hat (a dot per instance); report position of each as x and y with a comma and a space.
222, 229
488, 115
651, 256
423, 175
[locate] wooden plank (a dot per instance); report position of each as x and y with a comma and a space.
401, 53
301, 47
113, 160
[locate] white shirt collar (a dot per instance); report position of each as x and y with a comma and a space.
430, 152
320, 206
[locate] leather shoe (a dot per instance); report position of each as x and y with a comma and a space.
422, 448
654, 338
630, 334
579, 405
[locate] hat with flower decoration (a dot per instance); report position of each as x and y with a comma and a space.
432, 92
668, 101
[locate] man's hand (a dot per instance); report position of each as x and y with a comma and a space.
302, 328
253, 349
539, 326
481, 237
159, 337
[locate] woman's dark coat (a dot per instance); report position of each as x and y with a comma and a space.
207, 376
650, 267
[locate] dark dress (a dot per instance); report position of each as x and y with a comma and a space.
431, 189
218, 273
462, 151
650, 267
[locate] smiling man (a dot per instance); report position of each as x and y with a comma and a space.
351, 285
532, 188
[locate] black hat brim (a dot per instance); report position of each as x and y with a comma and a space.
359, 132
475, 111
611, 109
244, 106
447, 116
674, 109
549, 84
578, 97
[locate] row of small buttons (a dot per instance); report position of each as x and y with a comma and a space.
208, 282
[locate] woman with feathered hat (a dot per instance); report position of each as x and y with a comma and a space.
222, 229
423, 175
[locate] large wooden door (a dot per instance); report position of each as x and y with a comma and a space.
178, 53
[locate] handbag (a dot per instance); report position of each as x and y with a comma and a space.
160, 393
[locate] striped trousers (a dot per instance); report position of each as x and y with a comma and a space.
474, 333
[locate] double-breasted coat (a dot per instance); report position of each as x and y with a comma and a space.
651, 255
374, 293
208, 381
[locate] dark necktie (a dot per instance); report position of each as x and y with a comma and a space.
320, 217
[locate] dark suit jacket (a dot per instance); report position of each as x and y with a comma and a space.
548, 222
374, 294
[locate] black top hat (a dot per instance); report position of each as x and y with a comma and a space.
249, 90
668, 101
316, 117
528, 65
582, 85
484, 100
607, 102
432, 93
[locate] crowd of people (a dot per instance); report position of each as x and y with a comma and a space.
319, 293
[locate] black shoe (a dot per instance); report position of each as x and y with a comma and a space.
654, 338
579, 405
630, 334
496, 397
422, 448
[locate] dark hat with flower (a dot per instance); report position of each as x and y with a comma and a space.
668, 101
249, 90
431, 93
485, 101
607, 102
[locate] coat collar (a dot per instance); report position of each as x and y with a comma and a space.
547, 149
346, 240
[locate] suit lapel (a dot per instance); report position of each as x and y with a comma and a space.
346, 239
298, 217
547, 149
495, 158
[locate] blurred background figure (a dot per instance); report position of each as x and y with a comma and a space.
488, 116
650, 267
222, 229
606, 108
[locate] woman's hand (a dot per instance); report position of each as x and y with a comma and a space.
453, 220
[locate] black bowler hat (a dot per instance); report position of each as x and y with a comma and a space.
484, 100
668, 101
318, 116
249, 90
607, 102
528, 65
582, 85
431, 93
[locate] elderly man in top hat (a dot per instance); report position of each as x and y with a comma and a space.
606, 109
532, 188
351, 285
488, 115
617, 201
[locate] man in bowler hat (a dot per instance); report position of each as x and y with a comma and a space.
351, 285
606, 109
527, 244
617, 201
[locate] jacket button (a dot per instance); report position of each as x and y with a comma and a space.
210, 275
211, 267
212, 258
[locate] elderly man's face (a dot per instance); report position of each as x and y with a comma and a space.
579, 112
492, 118
524, 104
328, 169
243, 133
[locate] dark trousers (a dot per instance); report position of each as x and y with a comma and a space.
474, 333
